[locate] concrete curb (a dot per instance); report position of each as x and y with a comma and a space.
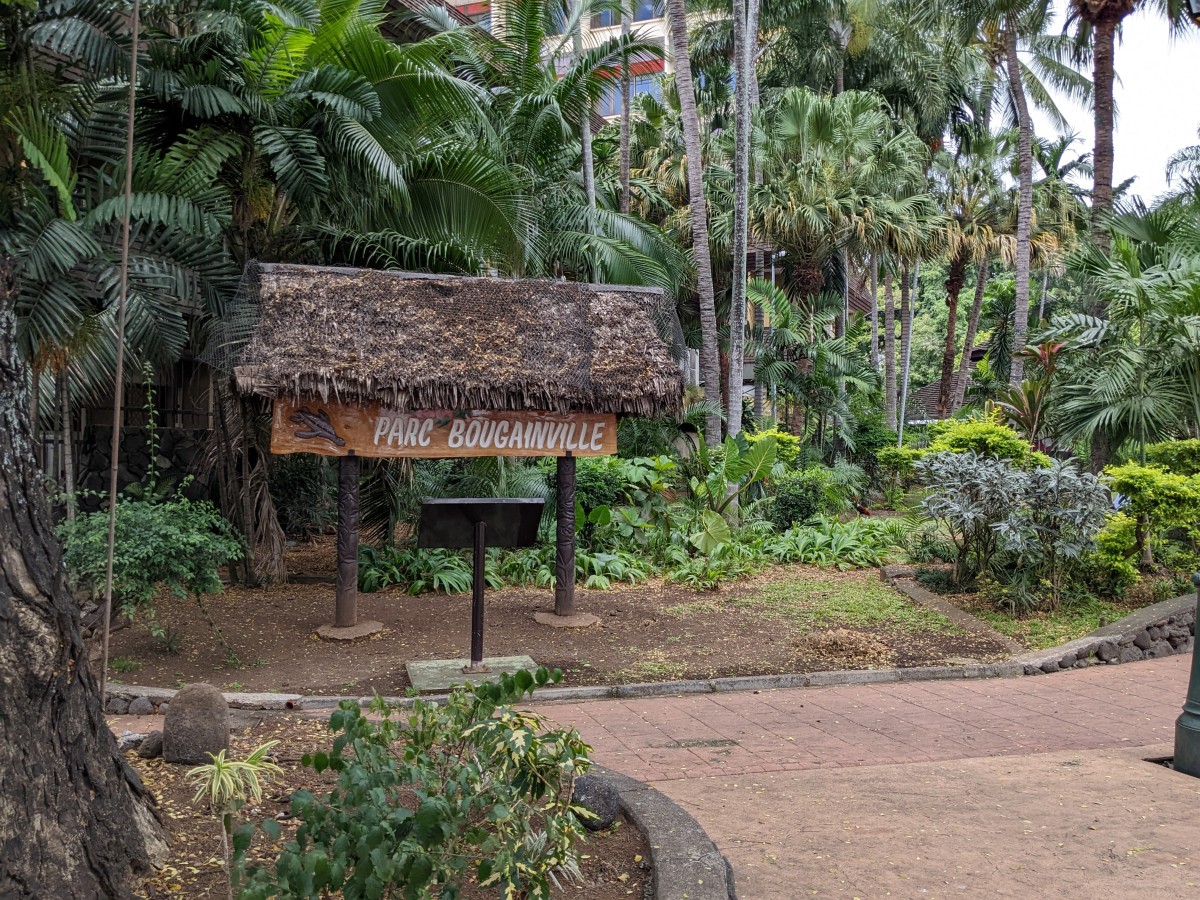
1124, 636
685, 863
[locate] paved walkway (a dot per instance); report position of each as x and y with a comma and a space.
1023, 788
698, 735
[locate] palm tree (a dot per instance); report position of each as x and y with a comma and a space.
1099, 23
710, 366
889, 349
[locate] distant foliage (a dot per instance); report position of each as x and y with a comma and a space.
787, 445
1180, 457
469, 790
984, 438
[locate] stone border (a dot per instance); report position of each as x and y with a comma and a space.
685, 863
1163, 629
1146, 634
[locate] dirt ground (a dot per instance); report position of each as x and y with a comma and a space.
614, 863
788, 619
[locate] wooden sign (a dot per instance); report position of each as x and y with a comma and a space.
334, 429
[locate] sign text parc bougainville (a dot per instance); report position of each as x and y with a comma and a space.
335, 429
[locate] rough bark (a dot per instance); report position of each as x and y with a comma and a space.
889, 349
964, 365
75, 820
741, 196
954, 284
68, 440
1104, 39
1024, 204
626, 100
710, 363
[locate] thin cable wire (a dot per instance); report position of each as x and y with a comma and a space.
119, 377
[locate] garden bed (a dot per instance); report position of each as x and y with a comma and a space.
615, 863
786, 619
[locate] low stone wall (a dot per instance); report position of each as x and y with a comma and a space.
1164, 629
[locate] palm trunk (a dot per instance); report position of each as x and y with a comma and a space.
906, 322
874, 288
889, 349
710, 364
741, 191
964, 366
35, 414
626, 100
954, 283
1024, 204
68, 439
1104, 39
585, 129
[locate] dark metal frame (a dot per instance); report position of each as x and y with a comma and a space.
1187, 726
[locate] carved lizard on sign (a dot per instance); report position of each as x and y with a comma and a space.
316, 425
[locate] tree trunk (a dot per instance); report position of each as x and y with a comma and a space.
889, 349
954, 282
1104, 39
77, 821
874, 288
710, 364
964, 366
35, 411
68, 439
906, 321
741, 195
1024, 203
626, 100
585, 129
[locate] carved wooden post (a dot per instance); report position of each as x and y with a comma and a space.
346, 610
564, 555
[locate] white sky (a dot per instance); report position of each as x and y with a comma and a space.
1157, 97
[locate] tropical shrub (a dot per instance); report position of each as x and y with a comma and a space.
1158, 499
799, 497
896, 470
602, 481
177, 544
419, 570
983, 437
1022, 535
1112, 568
469, 789
972, 494
846, 545
787, 445
1180, 457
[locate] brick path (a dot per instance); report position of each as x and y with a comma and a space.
693, 736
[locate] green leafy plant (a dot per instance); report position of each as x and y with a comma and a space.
1180, 457
224, 786
984, 437
179, 544
1158, 499
787, 445
418, 570
471, 788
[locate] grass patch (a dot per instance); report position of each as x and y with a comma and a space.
817, 604
124, 664
1049, 629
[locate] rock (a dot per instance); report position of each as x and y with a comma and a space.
1177, 641
162, 708
1155, 633
1131, 654
1031, 669
1160, 649
151, 746
1049, 667
1107, 652
196, 725
597, 795
1179, 631
1081, 664
141, 706
117, 706
129, 741
1142, 641
1067, 661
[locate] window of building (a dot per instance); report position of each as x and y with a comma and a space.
646, 83
607, 18
647, 9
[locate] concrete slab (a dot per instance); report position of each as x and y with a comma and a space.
440, 674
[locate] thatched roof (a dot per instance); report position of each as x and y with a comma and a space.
414, 341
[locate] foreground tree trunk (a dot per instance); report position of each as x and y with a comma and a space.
907, 301
75, 820
710, 362
1024, 203
889, 349
964, 365
626, 112
954, 284
585, 130
741, 199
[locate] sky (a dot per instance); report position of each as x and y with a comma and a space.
1157, 99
